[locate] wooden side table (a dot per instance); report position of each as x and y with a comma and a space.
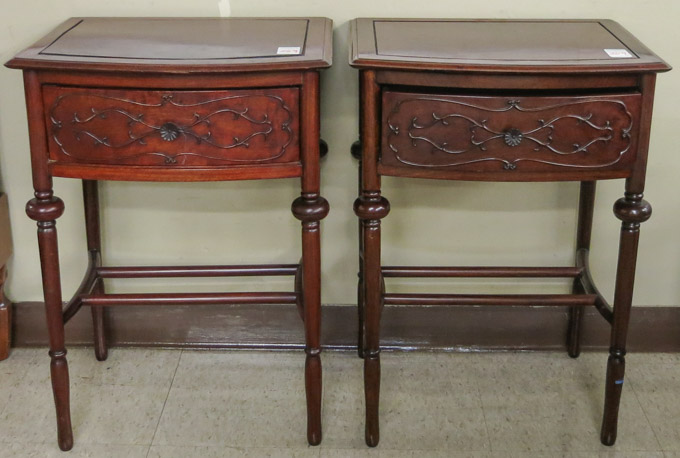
193, 99
5, 304
5, 318
503, 101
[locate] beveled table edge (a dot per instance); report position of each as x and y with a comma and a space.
647, 62
320, 28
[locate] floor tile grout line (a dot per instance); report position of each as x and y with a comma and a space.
486, 425
167, 396
651, 426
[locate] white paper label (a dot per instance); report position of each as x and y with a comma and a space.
288, 50
618, 53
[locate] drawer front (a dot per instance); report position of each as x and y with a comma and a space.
509, 135
172, 128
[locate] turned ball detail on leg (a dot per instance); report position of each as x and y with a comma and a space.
45, 208
310, 208
632, 210
371, 207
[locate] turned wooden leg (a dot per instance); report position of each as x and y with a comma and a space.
361, 343
91, 200
583, 235
631, 210
310, 209
361, 294
371, 207
45, 209
5, 318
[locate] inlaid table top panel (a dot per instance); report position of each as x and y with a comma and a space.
498, 45
183, 44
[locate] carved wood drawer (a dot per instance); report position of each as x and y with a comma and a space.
172, 128
509, 136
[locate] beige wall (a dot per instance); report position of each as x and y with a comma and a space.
431, 222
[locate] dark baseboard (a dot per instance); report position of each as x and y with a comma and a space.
653, 329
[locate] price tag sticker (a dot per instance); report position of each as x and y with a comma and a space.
617, 53
288, 50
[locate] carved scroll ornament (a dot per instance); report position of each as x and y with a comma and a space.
182, 128
428, 131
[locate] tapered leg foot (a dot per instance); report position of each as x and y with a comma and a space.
313, 388
310, 208
372, 391
361, 342
5, 319
371, 207
632, 210
45, 208
101, 350
574, 331
616, 365
60, 388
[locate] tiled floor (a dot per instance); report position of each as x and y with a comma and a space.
184, 404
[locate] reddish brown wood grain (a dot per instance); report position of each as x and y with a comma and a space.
509, 134
5, 318
172, 128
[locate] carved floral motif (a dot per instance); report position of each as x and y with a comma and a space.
131, 129
547, 135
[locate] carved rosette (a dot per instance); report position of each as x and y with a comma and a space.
173, 128
497, 133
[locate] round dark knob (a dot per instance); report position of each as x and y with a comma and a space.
356, 150
512, 137
169, 132
323, 148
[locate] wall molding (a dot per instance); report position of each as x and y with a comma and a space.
653, 329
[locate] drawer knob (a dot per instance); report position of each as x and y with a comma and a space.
512, 137
169, 132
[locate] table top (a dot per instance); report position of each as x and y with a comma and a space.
499, 45
182, 45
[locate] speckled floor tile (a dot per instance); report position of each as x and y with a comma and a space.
101, 413
236, 369
552, 403
106, 414
13, 370
656, 381
245, 416
252, 404
230, 452
342, 415
382, 453
28, 416
609, 454
116, 414
124, 366
422, 405
19, 450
